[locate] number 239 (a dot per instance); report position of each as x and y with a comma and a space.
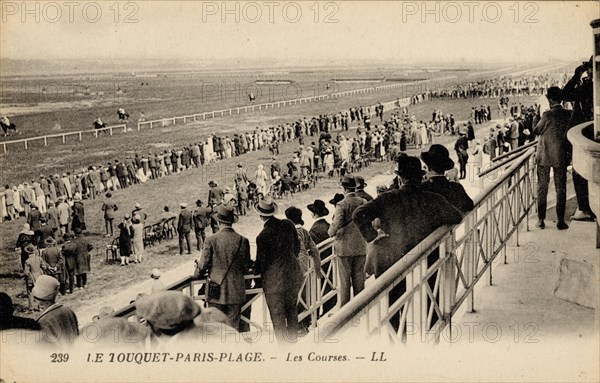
59, 358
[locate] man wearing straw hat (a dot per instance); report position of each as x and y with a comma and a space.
277, 250
226, 258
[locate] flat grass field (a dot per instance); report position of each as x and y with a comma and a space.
58, 104
171, 190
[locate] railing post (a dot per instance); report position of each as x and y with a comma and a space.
468, 260
46, 141
447, 284
111, 130
4, 147
26, 143
63, 138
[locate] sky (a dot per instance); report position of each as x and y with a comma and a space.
297, 31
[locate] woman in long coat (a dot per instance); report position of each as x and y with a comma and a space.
125, 247
78, 214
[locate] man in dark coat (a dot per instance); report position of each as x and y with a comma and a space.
78, 213
460, 146
201, 219
34, 217
83, 259
69, 252
226, 257
277, 251
438, 161
215, 194
349, 247
580, 92
184, 227
405, 217
552, 153
43, 233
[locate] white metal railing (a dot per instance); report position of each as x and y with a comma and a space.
316, 291
416, 298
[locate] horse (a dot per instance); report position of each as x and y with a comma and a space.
123, 115
8, 128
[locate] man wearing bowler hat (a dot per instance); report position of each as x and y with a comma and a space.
318, 231
349, 246
226, 257
438, 161
360, 188
277, 251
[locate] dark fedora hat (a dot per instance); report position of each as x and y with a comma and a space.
294, 214
348, 182
266, 207
360, 181
318, 207
226, 214
212, 183
553, 93
336, 199
409, 167
437, 158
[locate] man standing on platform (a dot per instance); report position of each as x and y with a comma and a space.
349, 246
226, 258
580, 92
552, 153
277, 251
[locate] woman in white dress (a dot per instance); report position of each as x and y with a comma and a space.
17, 199
424, 135
141, 176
